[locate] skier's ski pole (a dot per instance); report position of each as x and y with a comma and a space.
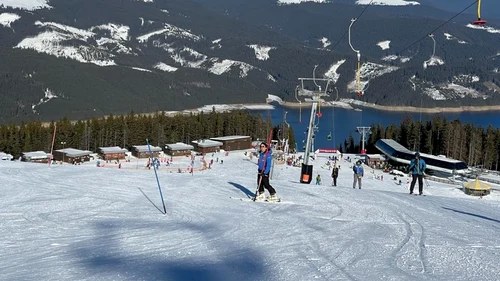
259, 182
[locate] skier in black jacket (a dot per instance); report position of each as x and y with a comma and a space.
335, 174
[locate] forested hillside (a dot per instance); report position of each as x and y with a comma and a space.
476, 146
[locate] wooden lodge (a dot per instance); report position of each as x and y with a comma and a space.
112, 153
178, 149
142, 151
234, 142
72, 156
36, 157
375, 160
206, 146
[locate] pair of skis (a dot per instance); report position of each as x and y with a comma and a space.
251, 199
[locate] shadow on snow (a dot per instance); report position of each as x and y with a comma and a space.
471, 214
242, 188
104, 256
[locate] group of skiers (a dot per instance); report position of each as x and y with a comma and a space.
417, 169
358, 174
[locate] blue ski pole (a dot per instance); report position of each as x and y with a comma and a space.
156, 175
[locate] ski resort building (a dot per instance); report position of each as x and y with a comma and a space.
400, 154
112, 153
142, 151
36, 156
234, 142
5, 156
375, 160
178, 149
72, 156
207, 146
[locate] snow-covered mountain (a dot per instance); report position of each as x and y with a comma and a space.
387, 2
300, 1
142, 55
26, 4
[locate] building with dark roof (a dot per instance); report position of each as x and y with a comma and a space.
234, 142
206, 146
400, 154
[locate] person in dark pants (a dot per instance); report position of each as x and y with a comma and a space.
335, 174
264, 168
417, 169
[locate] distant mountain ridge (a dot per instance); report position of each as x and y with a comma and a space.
99, 57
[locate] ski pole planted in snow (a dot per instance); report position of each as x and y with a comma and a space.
156, 175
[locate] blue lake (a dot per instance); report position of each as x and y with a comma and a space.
341, 122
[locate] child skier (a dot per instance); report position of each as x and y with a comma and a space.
318, 180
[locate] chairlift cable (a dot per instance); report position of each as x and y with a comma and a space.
441, 25
343, 35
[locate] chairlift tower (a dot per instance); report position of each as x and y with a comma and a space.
314, 97
363, 131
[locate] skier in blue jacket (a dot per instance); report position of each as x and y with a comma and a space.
417, 169
264, 168
358, 174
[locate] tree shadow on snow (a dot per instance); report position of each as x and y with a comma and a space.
242, 188
471, 214
104, 256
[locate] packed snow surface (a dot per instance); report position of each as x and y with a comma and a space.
66, 222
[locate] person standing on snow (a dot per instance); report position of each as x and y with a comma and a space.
358, 174
318, 180
264, 168
335, 174
417, 169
